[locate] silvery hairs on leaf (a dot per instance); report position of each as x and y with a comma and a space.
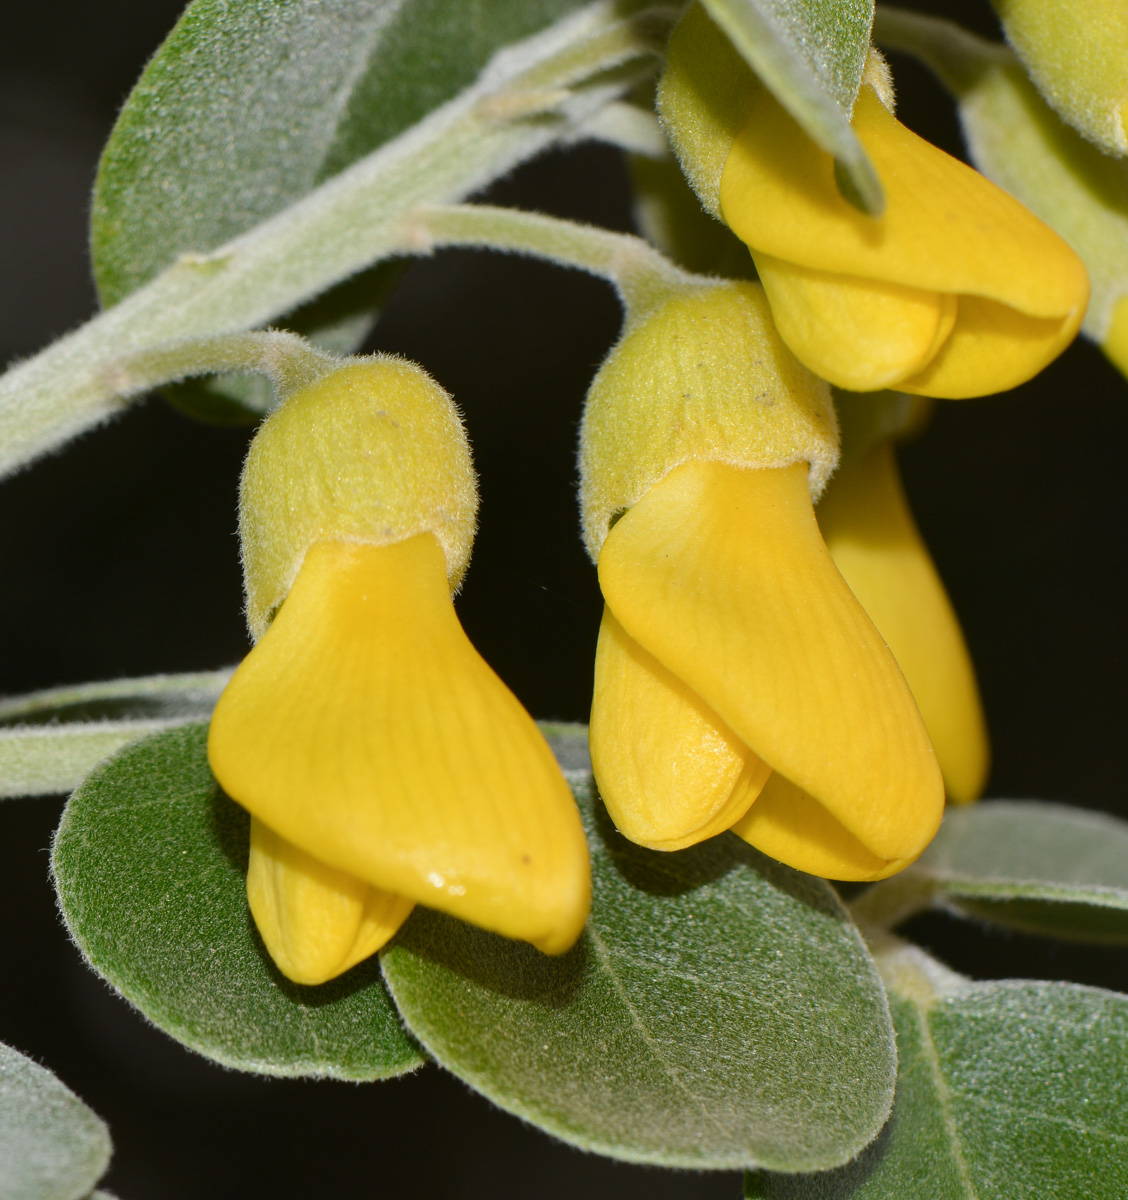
719, 1011
52, 1146
150, 861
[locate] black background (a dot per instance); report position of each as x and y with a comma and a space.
119, 558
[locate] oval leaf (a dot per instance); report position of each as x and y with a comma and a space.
52, 1147
149, 863
1045, 868
1005, 1090
719, 1011
811, 53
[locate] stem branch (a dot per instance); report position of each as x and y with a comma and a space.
640, 274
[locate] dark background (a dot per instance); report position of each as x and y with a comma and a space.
119, 558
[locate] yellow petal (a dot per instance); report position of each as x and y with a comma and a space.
669, 770
722, 575
316, 922
366, 729
787, 824
860, 334
945, 227
874, 541
991, 348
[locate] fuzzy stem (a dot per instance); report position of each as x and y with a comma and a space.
640, 274
288, 361
894, 900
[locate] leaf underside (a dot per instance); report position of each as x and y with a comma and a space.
52, 1146
811, 54
1035, 866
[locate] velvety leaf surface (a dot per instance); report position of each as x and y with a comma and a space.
249, 105
719, 1011
149, 864
52, 1147
1046, 868
811, 53
1006, 1090
51, 740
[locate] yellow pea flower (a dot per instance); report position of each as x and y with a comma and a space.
1019, 142
956, 290
383, 762
870, 532
734, 665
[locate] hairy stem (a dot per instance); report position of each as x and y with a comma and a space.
642, 276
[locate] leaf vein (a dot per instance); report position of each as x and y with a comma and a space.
605, 958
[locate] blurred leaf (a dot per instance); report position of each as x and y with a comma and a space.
1045, 868
247, 106
50, 741
1006, 1090
719, 1011
811, 54
149, 863
52, 1147
187, 695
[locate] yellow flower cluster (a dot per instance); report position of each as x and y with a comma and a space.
796, 676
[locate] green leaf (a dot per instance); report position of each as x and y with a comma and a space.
719, 1011
52, 1147
192, 694
534, 94
51, 740
248, 106
149, 863
811, 54
1009, 1089
1045, 868
1020, 143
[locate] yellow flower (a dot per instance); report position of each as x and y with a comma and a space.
869, 530
383, 762
1019, 142
956, 290
739, 684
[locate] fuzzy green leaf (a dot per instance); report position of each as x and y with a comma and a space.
719, 1011
248, 106
149, 863
539, 91
811, 54
52, 1147
1045, 868
1009, 1089
51, 740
